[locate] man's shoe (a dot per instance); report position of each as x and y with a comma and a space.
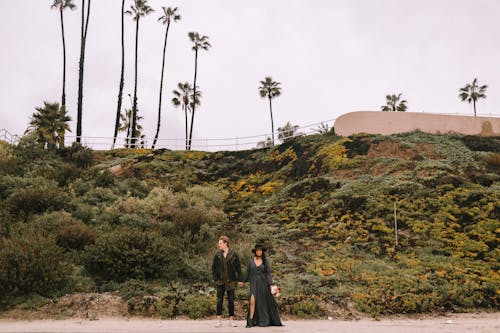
219, 324
232, 323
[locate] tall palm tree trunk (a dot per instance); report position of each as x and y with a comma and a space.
186, 119
194, 98
83, 36
120, 90
474, 103
161, 87
134, 107
63, 97
272, 121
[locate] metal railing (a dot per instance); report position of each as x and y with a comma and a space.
206, 144
8, 137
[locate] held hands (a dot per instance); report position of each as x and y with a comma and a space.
240, 284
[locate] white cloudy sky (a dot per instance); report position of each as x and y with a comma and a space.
331, 57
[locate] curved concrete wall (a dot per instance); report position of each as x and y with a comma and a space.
379, 122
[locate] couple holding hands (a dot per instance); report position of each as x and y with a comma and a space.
226, 269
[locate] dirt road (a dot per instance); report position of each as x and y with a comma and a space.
455, 323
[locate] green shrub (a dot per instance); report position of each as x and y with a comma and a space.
197, 306
167, 306
29, 150
479, 143
358, 145
98, 196
37, 199
135, 221
143, 306
211, 196
134, 187
64, 174
82, 157
30, 264
132, 254
306, 308
307, 185
9, 184
105, 179
84, 212
34, 302
75, 236
134, 288
50, 223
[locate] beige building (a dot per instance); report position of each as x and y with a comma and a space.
379, 122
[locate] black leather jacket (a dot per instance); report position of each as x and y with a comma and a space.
233, 267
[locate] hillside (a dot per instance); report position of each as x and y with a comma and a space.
142, 224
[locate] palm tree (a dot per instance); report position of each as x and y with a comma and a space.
83, 41
199, 42
50, 123
169, 14
139, 9
185, 97
125, 125
287, 132
394, 103
62, 5
120, 89
270, 89
472, 92
323, 129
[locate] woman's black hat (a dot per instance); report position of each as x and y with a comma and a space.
259, 247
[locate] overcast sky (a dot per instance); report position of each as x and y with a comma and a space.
331, 57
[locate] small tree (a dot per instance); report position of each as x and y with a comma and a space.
472, 92
395, 103
50, 124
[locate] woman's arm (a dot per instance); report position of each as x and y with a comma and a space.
269, 277
246, 277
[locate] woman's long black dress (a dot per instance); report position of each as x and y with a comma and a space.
266, 309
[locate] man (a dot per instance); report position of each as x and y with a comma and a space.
226, 270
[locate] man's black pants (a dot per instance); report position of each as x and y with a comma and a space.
221, 290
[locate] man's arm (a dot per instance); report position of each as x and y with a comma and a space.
238, 267
214, 267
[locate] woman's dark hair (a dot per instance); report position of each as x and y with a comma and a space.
264, 262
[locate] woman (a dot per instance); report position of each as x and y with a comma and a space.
263, 309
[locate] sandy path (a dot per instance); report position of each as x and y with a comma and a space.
484, 322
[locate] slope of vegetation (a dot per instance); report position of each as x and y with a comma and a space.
143, 224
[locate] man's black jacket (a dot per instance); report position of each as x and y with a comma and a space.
233, 267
